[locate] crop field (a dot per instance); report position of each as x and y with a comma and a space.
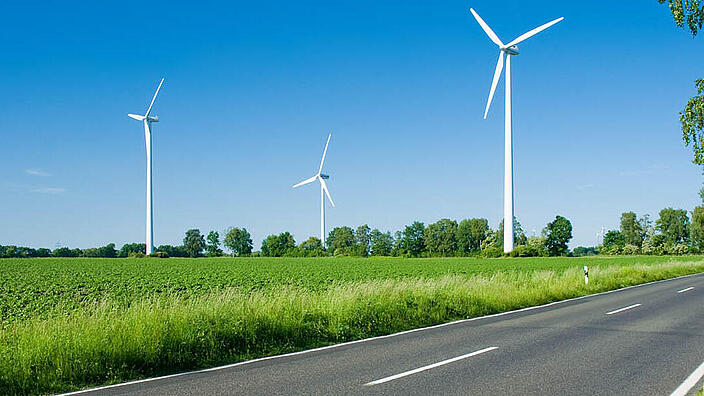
72, 323
45, 287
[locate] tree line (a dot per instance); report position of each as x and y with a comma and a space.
674, 232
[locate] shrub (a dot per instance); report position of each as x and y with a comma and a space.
492, 252
137, 255
629, 249
159, 255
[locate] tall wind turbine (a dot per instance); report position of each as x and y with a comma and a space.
321, 177
147, 119
509, 49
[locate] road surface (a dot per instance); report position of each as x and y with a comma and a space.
645, 340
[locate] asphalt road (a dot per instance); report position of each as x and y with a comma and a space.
578, 347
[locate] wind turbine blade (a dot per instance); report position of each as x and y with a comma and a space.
324, 152
154, 98
495, 81
306, 181
136, 117
487, 29
325, 188
533, 32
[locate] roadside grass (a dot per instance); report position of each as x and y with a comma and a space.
162, 334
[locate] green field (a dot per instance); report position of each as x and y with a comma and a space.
70, 323
45, 287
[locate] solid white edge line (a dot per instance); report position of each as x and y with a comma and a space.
428, 367
623, 309
690, 382
373, 338
685, 290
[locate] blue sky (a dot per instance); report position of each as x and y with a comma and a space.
252, 90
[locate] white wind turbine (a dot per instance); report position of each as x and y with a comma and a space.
323, 191
147, 119
509, 49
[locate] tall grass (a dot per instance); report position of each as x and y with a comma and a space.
158, 335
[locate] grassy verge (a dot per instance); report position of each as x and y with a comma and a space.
108, 344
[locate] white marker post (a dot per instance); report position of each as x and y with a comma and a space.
586, 275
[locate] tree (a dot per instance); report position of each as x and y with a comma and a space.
696, 229
441, 237
194, 242
312, 248
632, 229
412, 242
382, 243
519, 237
613, 239
213, 246
397, 249
362, 240
172, 251
690, 12
471, 233
341, 241
278, 245
129, 248
558, 233
239, 241
674, 225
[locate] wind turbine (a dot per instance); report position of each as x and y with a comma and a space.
147, 119
509, 49
321, 177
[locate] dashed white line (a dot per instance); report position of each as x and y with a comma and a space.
623, 309
428, 367
690, 382
685, 290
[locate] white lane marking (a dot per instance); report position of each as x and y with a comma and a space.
690, 382
373, 338
430, 366
623, 309
685, 290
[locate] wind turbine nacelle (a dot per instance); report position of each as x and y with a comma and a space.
512, 50
153, 119
323, 176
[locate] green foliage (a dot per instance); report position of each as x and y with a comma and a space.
674, 225
107, 251
470, 235
362, 240
159, 254
278, 245
412, 239
441, 237
581, 251
239, 241
132, 248
213, 246
632, 229
173, 251
382, 243
497, 239
194, 242
689, 13
341, 241
613, 239
313, 247
557, 234
696, 229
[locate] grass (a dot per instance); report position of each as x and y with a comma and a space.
132, 333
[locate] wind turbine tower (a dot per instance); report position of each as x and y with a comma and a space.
321, 177
147, 119
507, 50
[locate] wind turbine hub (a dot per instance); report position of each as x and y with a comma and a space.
153, 119
324, 176
512, 50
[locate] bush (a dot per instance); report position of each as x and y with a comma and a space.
524, 251
629, 249
678, 249
492, 252
159, 255
137, 255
